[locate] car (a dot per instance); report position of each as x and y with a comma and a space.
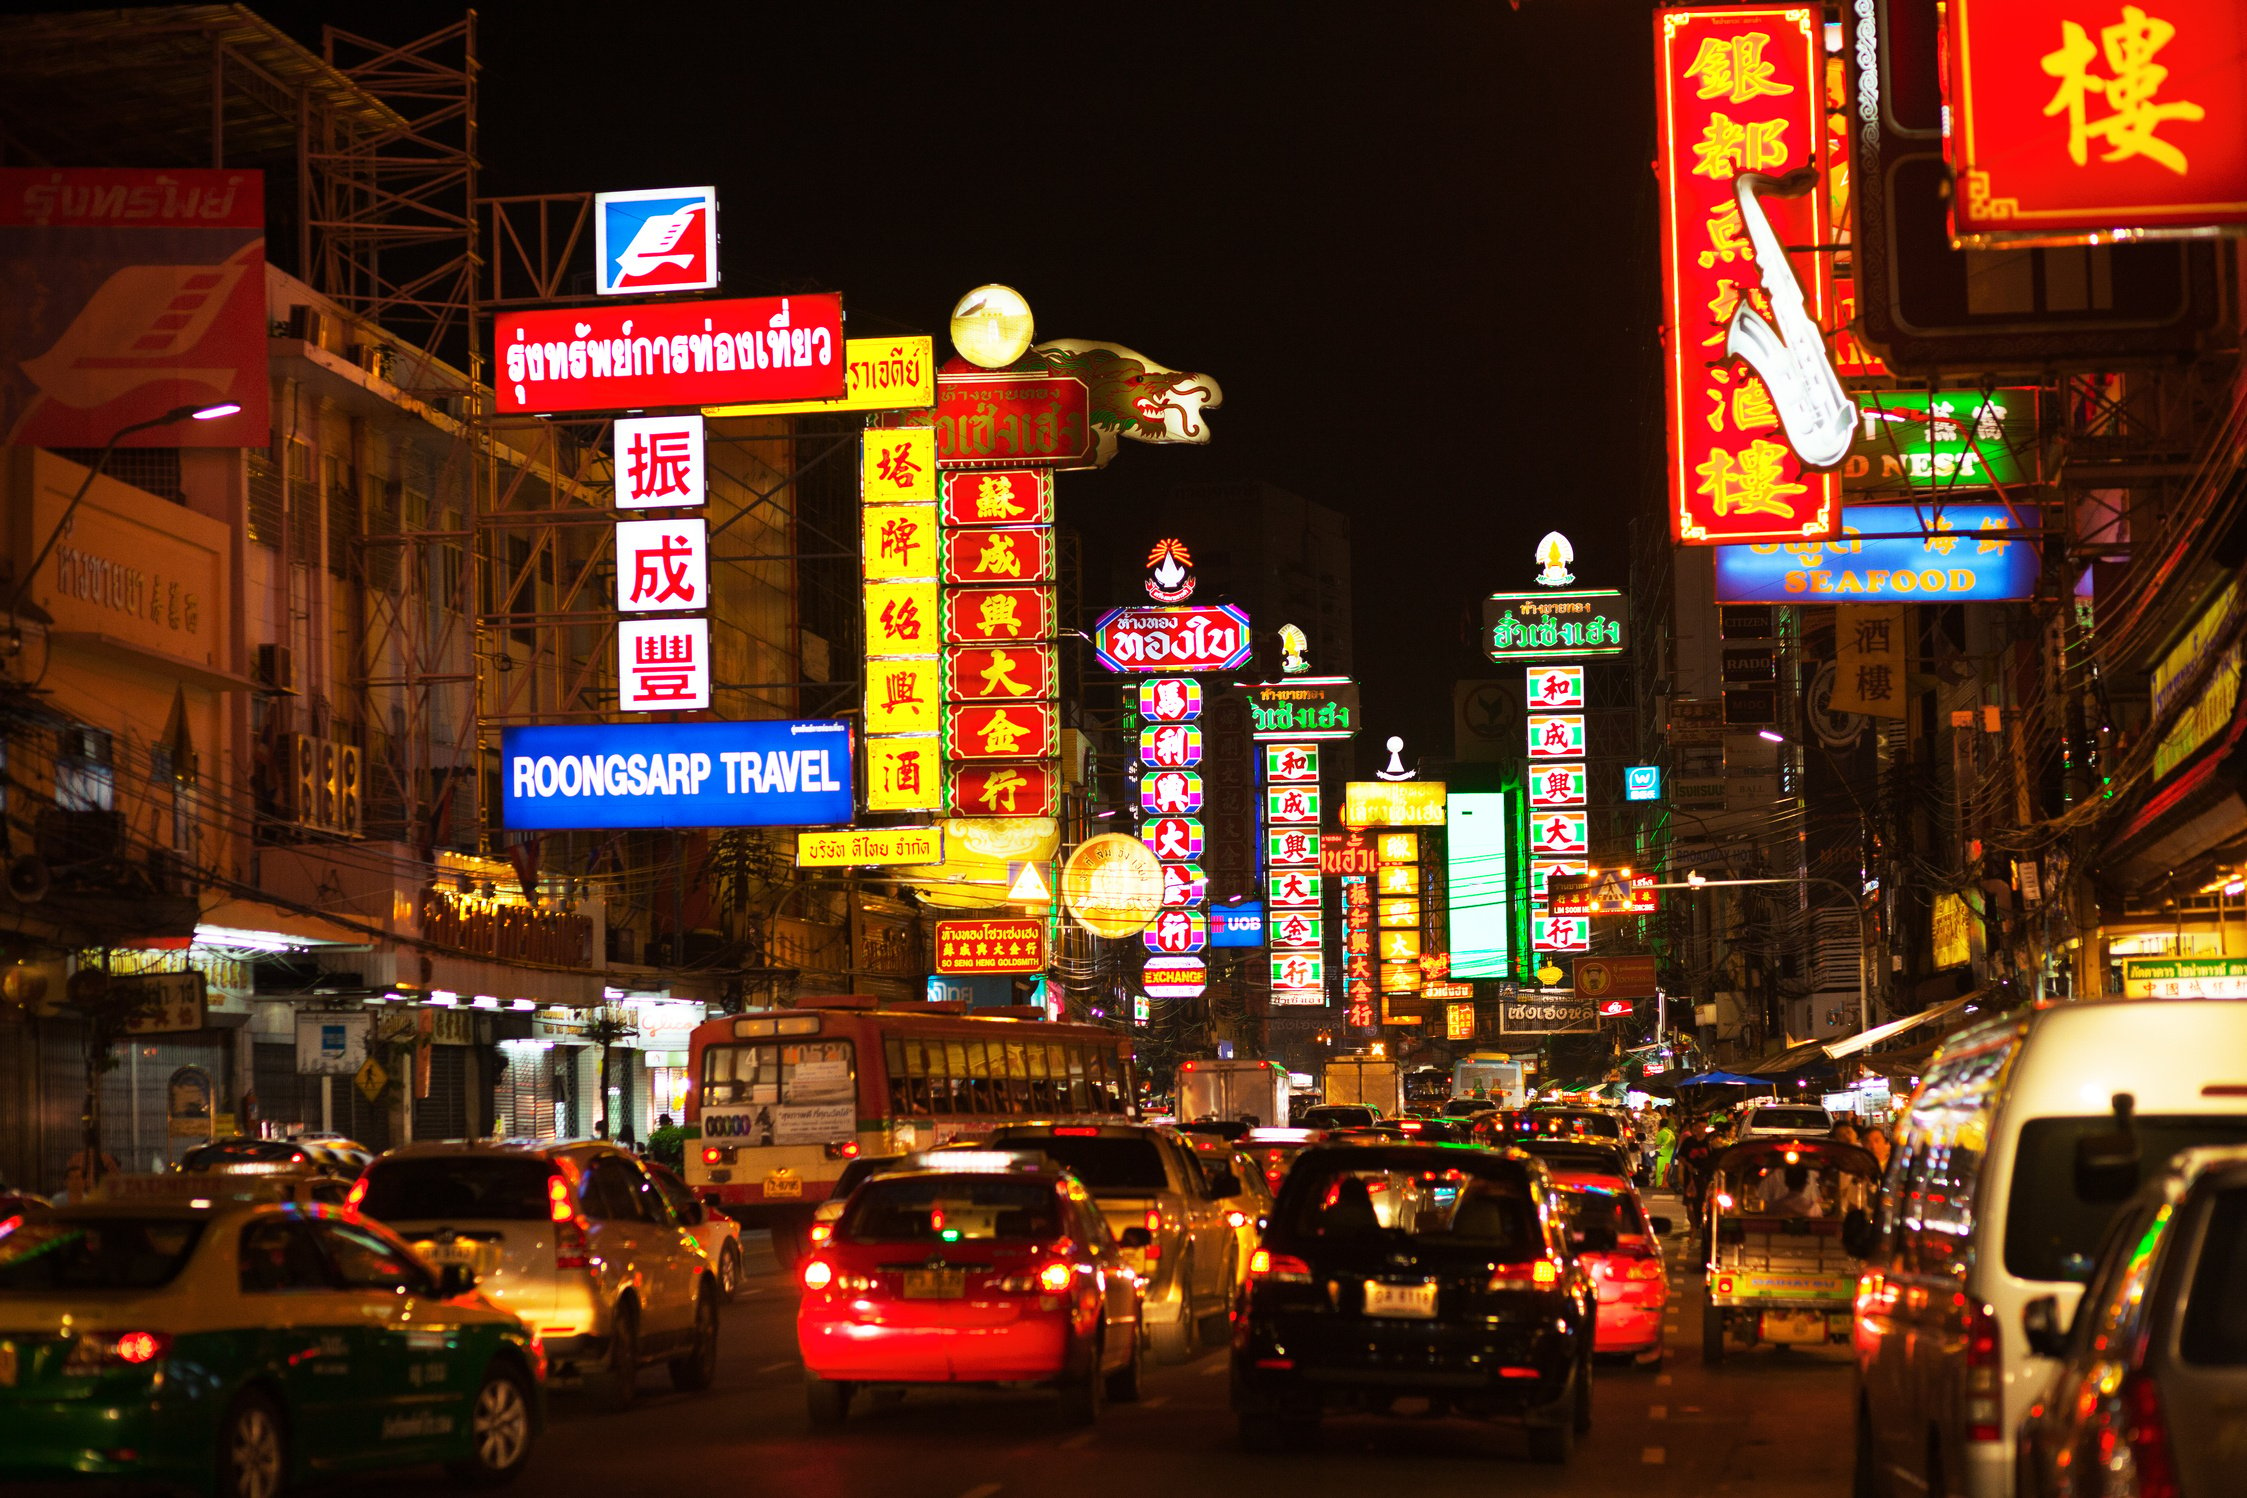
1439, 1272
1784, 1121
242, 1150
1633, 1290
1468, 1107
1247, 1208
1272, 1150
1505, 1126
2027, 1134
1338, 1116
823, 1216
717, 1235
1227, 1129
985, 1268
575, 1237
202, 1331
1429, 1129
1578, 1153
2153, 1369
1149, 1177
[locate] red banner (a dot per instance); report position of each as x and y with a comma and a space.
1005, 790
974, 616
1012, 730
1006, 554
1739, 93
1005, 496
655, 354
2070, 122
1007, 673
1002, 419
133, 292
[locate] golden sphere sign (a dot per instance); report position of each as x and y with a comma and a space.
1113, 884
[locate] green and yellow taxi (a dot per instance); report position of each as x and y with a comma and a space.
234, 1337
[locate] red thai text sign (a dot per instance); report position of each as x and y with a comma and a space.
2077, 117
653, 354
995, 946
1738, 92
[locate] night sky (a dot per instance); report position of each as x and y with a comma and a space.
1418, 252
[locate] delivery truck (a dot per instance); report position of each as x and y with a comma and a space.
1376, 1083
1234, 1091
1494, 1077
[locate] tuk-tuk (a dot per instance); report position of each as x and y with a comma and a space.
1776, 1214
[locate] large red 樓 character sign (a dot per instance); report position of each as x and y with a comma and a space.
2078, 121
1738, 94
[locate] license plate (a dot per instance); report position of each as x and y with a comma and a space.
458, 1251
782, 1184
7, 1365
1408, 1302
935, 1284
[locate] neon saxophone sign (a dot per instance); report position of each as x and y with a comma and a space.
1790, 358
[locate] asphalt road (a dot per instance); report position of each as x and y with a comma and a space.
1768, 1424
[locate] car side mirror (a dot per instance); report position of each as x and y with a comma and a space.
454, 1280
1857, 1233
1134, 1236
1662, 1226
2040, 1325
1223, 1184
693, 1215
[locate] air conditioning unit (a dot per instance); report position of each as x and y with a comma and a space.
72, 837
275, 668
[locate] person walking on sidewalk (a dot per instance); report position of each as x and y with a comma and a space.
1665, 1149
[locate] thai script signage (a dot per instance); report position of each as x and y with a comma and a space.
858, 847
1575, 622
1181, 638
1001, 419
880, 374
1012, 944
1303, 707
1913, 553
655, 354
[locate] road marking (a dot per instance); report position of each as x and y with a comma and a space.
1657, 1412
1081, 1439
1662, 1378
981, 1490
777, 1367
1653, 1456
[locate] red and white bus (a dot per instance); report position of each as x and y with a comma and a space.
784, 1099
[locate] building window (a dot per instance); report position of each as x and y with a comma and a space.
85, 771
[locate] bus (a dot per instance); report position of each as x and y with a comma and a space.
778, 1102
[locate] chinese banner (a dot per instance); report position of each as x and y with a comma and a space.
1170, 699
900, 541
1297, 887
902, 774
1871, 659
898, 463
1007, 554
975, 616
1171, 745
660, 460
1173, 837
1291, 763
901, 618
1291, 803
901, 696
1005, 790
1015, 730
1004, 673
662, 665
1739, 91
1171, 793
1555, 689
1557, 785
2074, 119
1010, 496
662, 565
1556, 735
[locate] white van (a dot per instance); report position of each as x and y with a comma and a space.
2002, 1182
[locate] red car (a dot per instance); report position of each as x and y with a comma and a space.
1633, 1288
988, 1268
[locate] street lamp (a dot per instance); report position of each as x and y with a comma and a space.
93, 471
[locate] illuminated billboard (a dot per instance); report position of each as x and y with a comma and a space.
1480, 906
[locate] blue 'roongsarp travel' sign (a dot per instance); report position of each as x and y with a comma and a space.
766, 774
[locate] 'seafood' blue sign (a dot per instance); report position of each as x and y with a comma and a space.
645, 775
1967, 554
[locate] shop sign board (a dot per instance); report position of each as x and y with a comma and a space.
1005, 790
869, 847
2213, 709
1602, 892
1014, 730
1615, 977
897, 465
2086, 125
655, 239
1908, 553
1003, 944
1113, 884
2184, 977
998, 616
1557, 785
1556, 736
1001, 673
1944, 441
1170, 699
1565, 622
1237, 925
1555, 689
164, 1003
663, 665
662, 566
1174, 977
1187, 637
1013, 419
880, 374
1173, 837
331, 1044
1007, 496
1546, 1014
1001, 554
1393, 803
1303, 707
660, 461
651, 775
649, 355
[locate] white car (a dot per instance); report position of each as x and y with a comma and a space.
718, 1235
576, 1239
1785, 1121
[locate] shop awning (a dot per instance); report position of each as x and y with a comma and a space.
1793, 1058
1851, 1045
1723, 1079
257, 925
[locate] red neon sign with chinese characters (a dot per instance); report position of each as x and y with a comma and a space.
1739, 93
2073, 119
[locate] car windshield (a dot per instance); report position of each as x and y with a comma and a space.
1600, 1125
2215, 1329
1337, 1116
1794, 1120
2051, 1232
1378, 1194
444, 1188
1600, 1207
1112, 1163
951, 1209
42, 1255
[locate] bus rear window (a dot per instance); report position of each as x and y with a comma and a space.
789, 1074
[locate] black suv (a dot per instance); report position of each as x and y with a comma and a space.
1417, 1270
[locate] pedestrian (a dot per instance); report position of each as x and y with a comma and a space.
1845, 1133
1665, 1147
1694, 1158
600, 1128
1876, 1140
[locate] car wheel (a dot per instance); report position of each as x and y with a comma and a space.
729, 1269
1082, 1396
791, 1242
1864, 1476
624, 1356
1712, 1335
1551, 1444
252, 1449
1179, 1339
1223, 1315
1123, 1384
1581, 1416
499, 1431
826, 1400
698, 1369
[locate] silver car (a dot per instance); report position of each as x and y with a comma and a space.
576, 1239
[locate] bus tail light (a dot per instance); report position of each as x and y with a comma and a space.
842, 1149
717, 1154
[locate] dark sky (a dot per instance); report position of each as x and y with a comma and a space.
1415, 243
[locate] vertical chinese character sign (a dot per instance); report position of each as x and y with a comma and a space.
1170, 824
1001, 665
1396, 891
900, 548
1739, 93
1294, 886
662, 565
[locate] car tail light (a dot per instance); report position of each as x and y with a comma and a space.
1078, 1131
842, 1149
821, 1232
559, 1208
818, 1274
1284, 1269
356, 1195
570, 1249
1538, 1274
1154, 1222
2145, 1432
1640, 1269
98, 1352
1055, 1277
1984, 1387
